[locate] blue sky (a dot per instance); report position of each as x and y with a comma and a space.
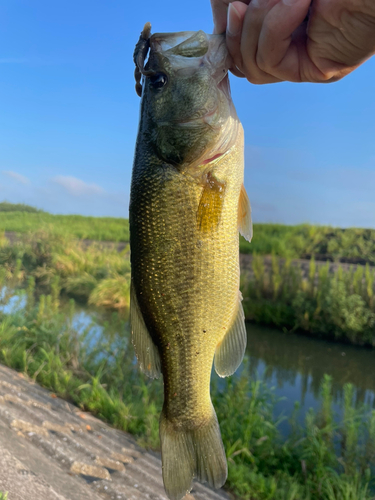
69, 116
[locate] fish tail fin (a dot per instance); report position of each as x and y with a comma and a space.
193, 453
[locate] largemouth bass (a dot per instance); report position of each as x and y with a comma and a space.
187, 205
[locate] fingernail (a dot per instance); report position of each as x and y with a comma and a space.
233, 21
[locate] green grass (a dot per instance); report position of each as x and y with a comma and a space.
305, 240
5, 206
3, 496
302, 241
329, 458
338, 306
76, 226
58, 265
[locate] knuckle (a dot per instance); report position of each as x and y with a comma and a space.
262, 63
256, 79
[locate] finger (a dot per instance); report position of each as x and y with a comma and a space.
237, 72
219, 14
251, 29
236, 14
279, 47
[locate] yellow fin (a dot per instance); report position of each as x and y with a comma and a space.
230, 352
145, 350
245, 225
210, 205
191, 453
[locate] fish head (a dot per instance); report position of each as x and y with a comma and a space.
186, 97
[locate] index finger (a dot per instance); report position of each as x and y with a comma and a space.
220, 12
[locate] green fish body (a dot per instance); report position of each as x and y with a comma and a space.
186, 208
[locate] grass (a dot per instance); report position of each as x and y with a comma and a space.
331, 457
354, 245
5, 206
56, 265
338, 306
3, 496
77, 226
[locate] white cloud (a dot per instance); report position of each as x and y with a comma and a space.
17, 177
77, 187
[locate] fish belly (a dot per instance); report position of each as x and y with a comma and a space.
186, 281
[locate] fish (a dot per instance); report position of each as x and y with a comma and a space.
187, 207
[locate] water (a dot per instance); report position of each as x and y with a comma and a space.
295, 366
10, 303
292, 364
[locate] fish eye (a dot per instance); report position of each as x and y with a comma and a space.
158, 81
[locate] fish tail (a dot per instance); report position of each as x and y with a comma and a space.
191, 453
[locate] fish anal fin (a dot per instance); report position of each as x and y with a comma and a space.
245, 225
145, 350
211, 204
230, 352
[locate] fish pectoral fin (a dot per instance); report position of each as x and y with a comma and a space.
230, 352
245, 224
210, 205
145, 350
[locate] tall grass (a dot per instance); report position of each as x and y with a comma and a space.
95, 275
335, 305
330, 458
354, 245
76, 226
5, 206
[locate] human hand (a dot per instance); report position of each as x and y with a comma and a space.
272, 40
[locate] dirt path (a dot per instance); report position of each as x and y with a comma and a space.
50, 450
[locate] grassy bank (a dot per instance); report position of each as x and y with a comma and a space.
56, 265
338, 306
330, 458
76, 226
354, 245
22, 219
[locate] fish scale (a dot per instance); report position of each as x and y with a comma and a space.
186, 196
193, 285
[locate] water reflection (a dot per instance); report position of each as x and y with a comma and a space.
295, 365
10, 303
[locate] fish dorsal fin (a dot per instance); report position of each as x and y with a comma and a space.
245, 225
230, 352
145, 350
210, 205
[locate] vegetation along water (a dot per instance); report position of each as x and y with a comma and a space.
328, 457
327, 453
